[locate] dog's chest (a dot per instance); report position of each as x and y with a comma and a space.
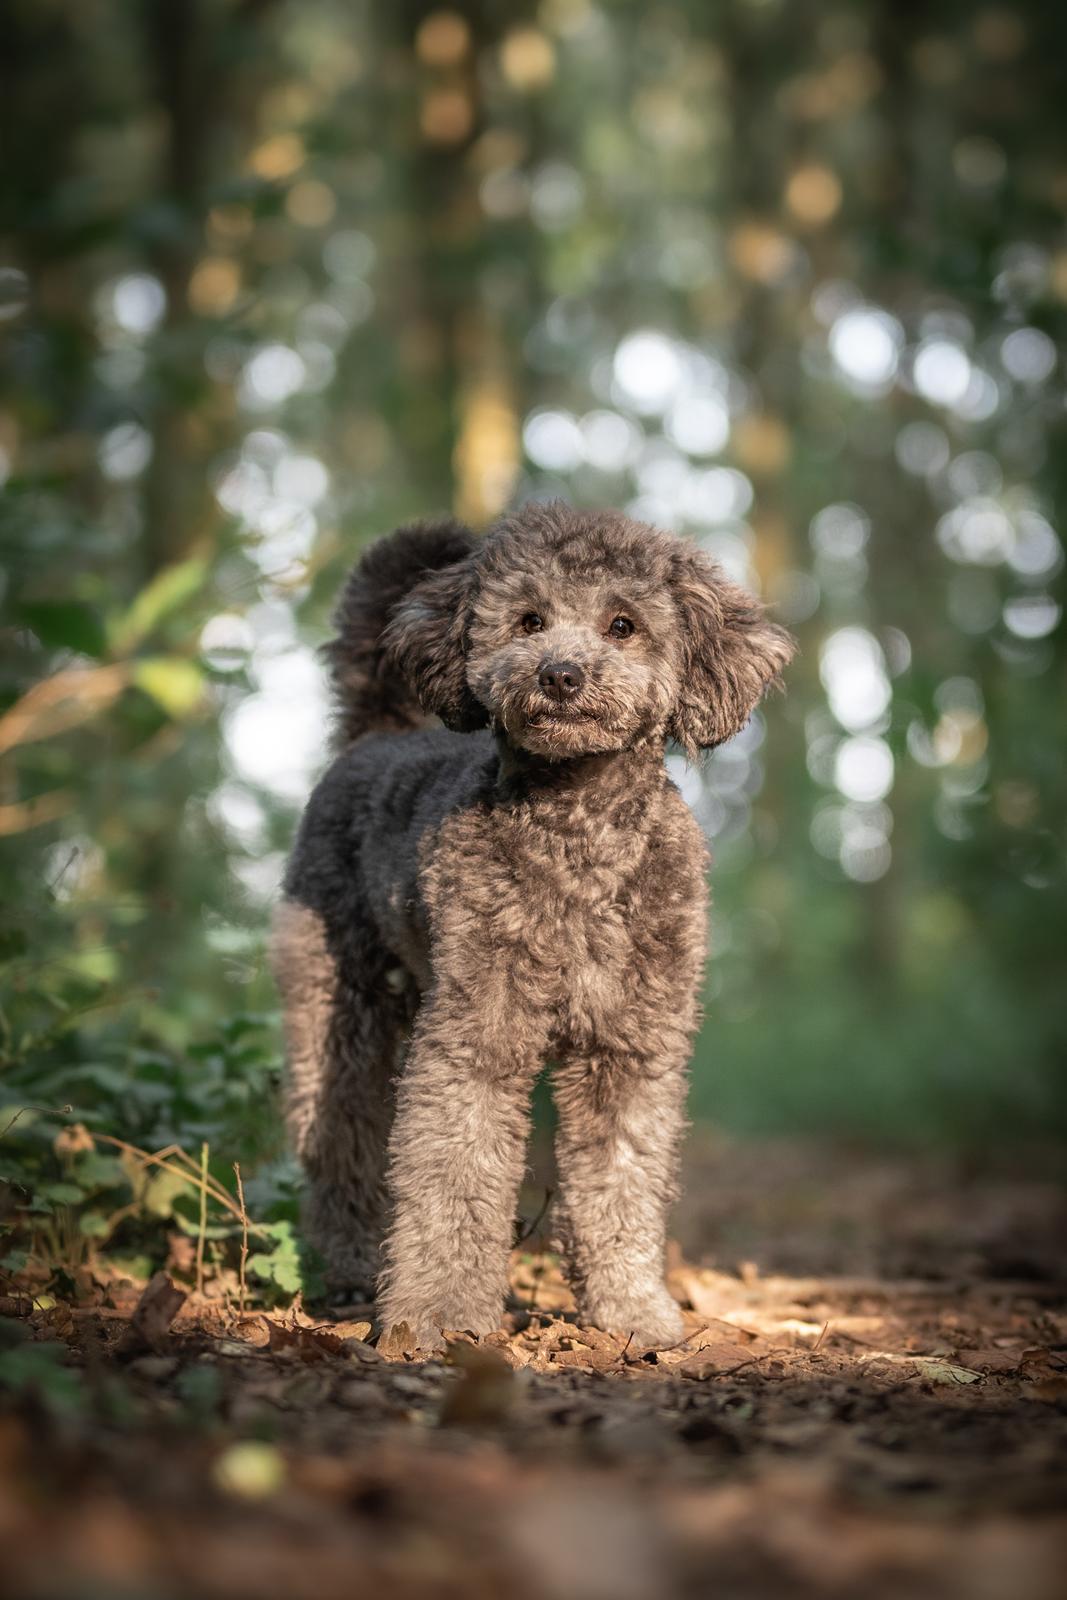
586, 919
579, 911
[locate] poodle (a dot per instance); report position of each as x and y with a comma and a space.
521, 885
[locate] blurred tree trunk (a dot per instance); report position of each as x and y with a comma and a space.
450, 339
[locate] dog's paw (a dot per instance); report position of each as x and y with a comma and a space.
404, 1339
652, 1322
431, 1330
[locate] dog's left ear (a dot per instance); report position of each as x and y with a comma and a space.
427, 639
732, 654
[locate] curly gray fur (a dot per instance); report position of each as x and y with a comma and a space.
522, 885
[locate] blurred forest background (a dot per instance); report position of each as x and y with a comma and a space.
789, 278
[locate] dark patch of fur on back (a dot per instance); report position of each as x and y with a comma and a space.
373, 694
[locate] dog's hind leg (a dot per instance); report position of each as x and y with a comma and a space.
345, 1034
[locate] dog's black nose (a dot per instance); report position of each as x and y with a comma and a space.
560, 679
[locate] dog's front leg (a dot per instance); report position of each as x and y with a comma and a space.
456, 1159
621, 1118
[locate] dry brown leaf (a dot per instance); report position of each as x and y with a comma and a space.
57, 1320
486, 1390
996, 1361
153, 1315
181, 1253
608, 1346
716, 1331
72, 1141
704, 1290
306, 1343
352, 1330
715, 1359
397, 1343
934, 1368
577, 1358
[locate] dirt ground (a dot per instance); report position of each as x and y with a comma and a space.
872, 1400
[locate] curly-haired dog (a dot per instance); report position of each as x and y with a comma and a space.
463, 905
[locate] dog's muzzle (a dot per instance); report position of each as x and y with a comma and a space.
560, 680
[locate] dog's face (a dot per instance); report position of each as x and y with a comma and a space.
575, 633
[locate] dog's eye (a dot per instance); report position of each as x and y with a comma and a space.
621, 628
532, 623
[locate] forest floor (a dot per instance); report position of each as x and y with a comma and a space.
872, 1400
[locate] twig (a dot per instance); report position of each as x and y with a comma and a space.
244, 1236
535, 1288
47, 1111
19, 816
162, 1158
202, 1230
61, 702
532, 1227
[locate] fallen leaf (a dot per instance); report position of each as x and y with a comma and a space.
939, 1371
485, 1392
306, 1343
706, 1292
998, 1361
716, 1331
153, 1315
397, 1342
933, 1368
351, 1330
74, 1140
181, 1253
577, 1359
714, 1359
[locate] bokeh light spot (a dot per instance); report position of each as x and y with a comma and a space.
553, 441
853, 673
863, 769
443, 39
813, 195
865, 345
1032, 616
1029, 355
942, 372
138, 303
647, 370
528, 59
125, 452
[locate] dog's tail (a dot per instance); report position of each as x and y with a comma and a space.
372, 695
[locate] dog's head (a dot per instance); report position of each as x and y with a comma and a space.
580, 632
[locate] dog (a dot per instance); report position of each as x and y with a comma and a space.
522, 885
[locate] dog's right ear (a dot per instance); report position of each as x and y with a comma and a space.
427, 640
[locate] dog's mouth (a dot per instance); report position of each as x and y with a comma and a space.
567, 730
550, 714
559, 729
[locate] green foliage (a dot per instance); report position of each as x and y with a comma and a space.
286, 1264
65, 625
78, 1194
39, 1372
